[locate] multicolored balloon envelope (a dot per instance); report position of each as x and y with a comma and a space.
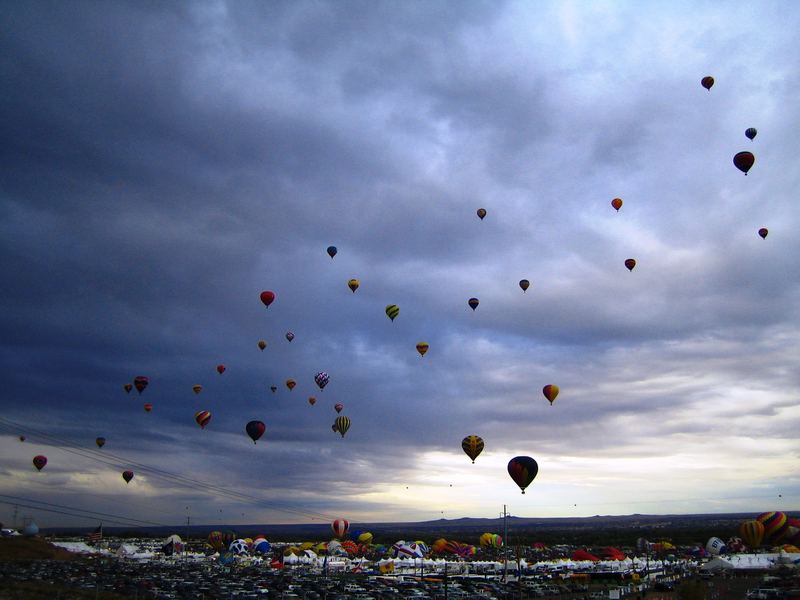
290, 383
342, 425
392, 310
340, 527
140, 382
128, 387
148, 407
39, 462
422, 348
472, 446
752, 532
267, 297
550, 392
289, 336
197, 388
255, 429
127, 476
321, 379
523, 470
338, 407
202, 418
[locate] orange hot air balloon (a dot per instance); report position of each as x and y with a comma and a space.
353, 285
550, 392
481, 213
422, 348
744, 161
197, 388
630, 263
127, 476
707, 82
290, 383
148, 407
202, 418
262, 344
312, 401
616, 203
763, 233
752, 532
220, 369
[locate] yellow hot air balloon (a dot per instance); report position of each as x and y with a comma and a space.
392, 310
342, 425
422, 348
550, 392
353, 285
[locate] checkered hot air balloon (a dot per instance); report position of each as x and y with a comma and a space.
321, 379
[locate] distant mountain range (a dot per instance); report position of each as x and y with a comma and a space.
587, 530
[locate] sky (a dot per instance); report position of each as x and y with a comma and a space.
166, 162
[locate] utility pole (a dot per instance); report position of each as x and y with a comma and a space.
16, 509
186, 541
505, 543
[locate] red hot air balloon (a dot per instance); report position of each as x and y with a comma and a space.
255, 429
128, 387
707, 82
202, 418
523, 470
630, 263
267, 297
127, 476
140, 382
148, 407
338, 407
39, 462
616, 203
550, 392
744, 161
220, 369
340, 527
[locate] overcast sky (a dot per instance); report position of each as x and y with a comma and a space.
165, 162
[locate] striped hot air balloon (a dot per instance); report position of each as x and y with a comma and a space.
752, 532
550, 392
422, 348
392, 310
203, 418
340, 527
472, 446
775, 525
342, 425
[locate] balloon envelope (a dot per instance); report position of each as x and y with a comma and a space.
751, 132
197, 388
220, 369
481, 213
707, 82
752, 533
267, 297
255, 429
744, 161
550, 392
342, 425
148, 407
140, 382
101, 441
630, 263
340, 527
312, 401
422, 348
524, 284
353, 285
472, 446
473, 303
39, 462
290, 383
262, 344
616, 203
523, 470
338, 407
392, 310
202, 418
289, 336
332, 251
763, 232
127, 476
321, 379
128, 387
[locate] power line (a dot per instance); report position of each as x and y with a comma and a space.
92, 513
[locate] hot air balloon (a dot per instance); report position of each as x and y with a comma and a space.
127, 476
523, 470
332, 251
775, 525
472, 446
524, 284
202, 418
197, 388
220, 369
274, 388
262, 344
752, 532
353, 284
338, 407
321, 379
140, 382
148, 407
290, 383
744, 161
289, 336
550, 392
342, 425
751, 132
473, 303
707, 82
101, 441
255, 429
22, 438
763, 233
334, 428
422, 348
616, 203
481, 213
128, 387
392, 310
39, 462
267, 297
312, 401
340, 527
630, 263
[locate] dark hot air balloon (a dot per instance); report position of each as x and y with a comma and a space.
39, 462
262, 344
202, 418
22, 438
472, 446
140, 382
267, 297
128, 387
422, 348
550, 392
524, 284
481, 213
630, 263
255, 429
707, 82
338, 407
751, 132
312, 401
290, 383
101, 441
197, 388
616, 203
523, 470
321, 379
127, 476
353, 285
220, 369
274, 388
332, 251
392, 310
289, 336
763, 233
473, 303
744, 161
